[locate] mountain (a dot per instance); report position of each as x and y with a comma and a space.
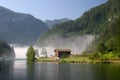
51, 23
92, 22
19, 28
109, 39
6, 50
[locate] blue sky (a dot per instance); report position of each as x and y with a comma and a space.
51, 9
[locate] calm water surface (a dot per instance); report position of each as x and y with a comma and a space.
19, 70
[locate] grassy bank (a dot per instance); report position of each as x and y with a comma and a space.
82, 59
93, 58
89, 61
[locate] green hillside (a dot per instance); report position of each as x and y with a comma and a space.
102, 21
91, 22
109, 39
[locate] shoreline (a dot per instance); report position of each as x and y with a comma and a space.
98, 61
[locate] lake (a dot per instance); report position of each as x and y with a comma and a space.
20, 70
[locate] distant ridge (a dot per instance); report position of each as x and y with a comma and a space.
51, 23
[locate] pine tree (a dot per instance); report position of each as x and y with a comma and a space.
30, 54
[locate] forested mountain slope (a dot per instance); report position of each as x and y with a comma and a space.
92, 22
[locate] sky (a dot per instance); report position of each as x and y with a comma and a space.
51, 9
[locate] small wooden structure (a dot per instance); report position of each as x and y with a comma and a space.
59, 53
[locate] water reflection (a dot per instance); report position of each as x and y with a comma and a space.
81, 71
53, 71
6, 70
64, 71
46, 71
106, 72
30, 71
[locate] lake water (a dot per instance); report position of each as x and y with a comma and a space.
20, 70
